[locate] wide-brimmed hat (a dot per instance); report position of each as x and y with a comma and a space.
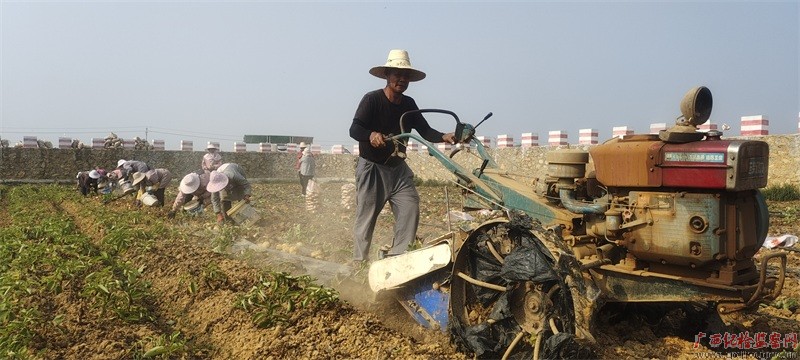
398, 59
303, 144
224, 166
94, 174
138, 177
211, 146
189, 184
217, 181
120, 162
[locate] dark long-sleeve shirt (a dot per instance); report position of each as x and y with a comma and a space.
376, 113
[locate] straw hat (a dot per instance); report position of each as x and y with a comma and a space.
138, 177
211, 146
222, 167
302, 144
217, 181
398, 59
189, 184
120, 162
94, 174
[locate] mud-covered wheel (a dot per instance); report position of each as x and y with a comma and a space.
507, 297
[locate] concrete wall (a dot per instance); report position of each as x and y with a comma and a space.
528, 163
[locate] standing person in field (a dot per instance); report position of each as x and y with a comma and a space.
307, 168
303, 181
227, 184
381, 177
311, 190
212, 159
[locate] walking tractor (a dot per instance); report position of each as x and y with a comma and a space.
672, 217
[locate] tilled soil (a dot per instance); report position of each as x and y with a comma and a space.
207, 318
624, 332
360, 327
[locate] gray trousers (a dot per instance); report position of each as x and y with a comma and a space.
375, 185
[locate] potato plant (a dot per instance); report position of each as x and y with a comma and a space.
44, 252
277, 295
59, 249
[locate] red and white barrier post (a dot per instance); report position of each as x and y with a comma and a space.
620, 131
754, 125
159, 145
587, 136
505, 141
655, 128
529, 140
557, 138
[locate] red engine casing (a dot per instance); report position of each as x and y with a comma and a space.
733, 165
645, 161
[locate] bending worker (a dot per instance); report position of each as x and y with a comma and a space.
193, 185
157, 180
130, 167
88, 181
227, 184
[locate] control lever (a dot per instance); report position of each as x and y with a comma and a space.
464, 132
484, 119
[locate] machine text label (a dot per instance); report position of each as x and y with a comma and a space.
695, 157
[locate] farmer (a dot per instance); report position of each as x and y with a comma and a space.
303, 181
227, 184
193, 185
130, 167
307, 168
156, 180
381, 177
212, 159
104, 184
87, 181
100, 171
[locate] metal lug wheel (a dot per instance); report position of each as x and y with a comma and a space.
495, 318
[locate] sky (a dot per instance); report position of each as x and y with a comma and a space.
219, 70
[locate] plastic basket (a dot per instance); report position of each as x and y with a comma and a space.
243, 214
